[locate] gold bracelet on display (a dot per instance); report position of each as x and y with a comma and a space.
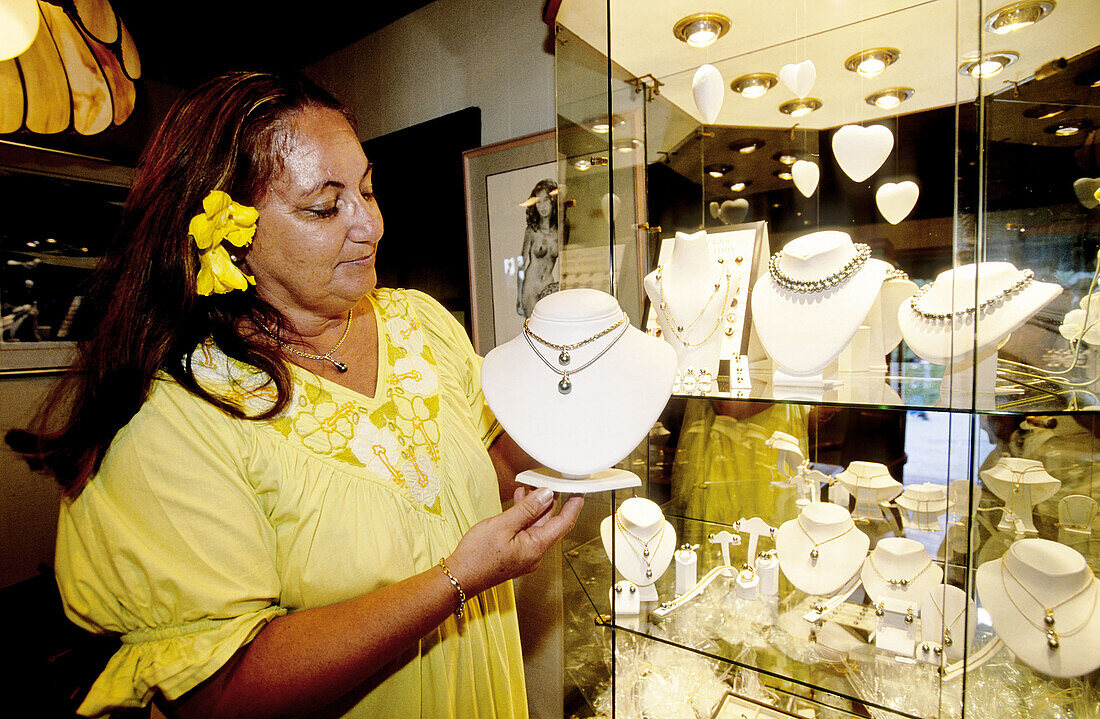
456, 585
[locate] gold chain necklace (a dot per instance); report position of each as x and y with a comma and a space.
327, 356
677, 328
814, 553
947, 641
903, 582
564, 358
1053, 638
658, 535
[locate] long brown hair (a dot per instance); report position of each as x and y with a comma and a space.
224, 135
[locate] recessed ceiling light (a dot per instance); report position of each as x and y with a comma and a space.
740, 185
1068, 128
754, 84
988, 65
783, 174
701, 29
1044, 112
871, 62
603, 124
1018, 15
890, 98
717, 170
786, 158
583, 164
798, 108
747, 146
629, 144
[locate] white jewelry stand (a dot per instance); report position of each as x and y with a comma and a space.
611, 408
791, 464
961, 616
803, 333
1020, 484
687, 568
689, 278
1076, 513
872, 486
1051, 572
924, 503
952, 342
644, 520
838, 560
895, 293
899, 558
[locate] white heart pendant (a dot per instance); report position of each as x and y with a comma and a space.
860, 151
1085, 188
733, 212
708, 89
806, 175
896, 200
799, 77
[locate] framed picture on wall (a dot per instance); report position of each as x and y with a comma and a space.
513, 233
59, 212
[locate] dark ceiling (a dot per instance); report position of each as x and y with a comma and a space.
184, 43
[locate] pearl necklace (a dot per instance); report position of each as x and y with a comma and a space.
565, 385
658, 535
946, 625
814, 553
1053, 638
863, 253
679, 330
1001, 297
564, 358
904, 582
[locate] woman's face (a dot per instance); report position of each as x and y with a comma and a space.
542, 203
319, 226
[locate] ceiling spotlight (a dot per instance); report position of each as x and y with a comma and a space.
1044, 112
740, 185
1067, 128
717, 170
988, 65
701, 29
627, 145
1018, 15
798, 108
783, 174
890, 98
583, 164
871, 62
603, 124
754, 84
747, 146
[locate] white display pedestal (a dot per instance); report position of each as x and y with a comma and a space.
603, 481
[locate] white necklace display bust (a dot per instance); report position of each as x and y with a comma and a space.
948, 618
1034, 576
644, 542
899, 569
803, 332
871, 484
840, 549
694, 288
1021, 484
613, 403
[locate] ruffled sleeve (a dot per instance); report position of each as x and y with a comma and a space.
169, 547
454, 346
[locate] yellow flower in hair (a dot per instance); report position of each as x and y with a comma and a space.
228, 221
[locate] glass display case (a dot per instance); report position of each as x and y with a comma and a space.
869, 231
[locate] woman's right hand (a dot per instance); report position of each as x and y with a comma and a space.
513, 542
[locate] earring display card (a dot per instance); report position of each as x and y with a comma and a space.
741, 250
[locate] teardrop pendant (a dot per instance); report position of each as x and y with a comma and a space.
814, 554
648, 573
565, 386
1049, 618
563, 358
947, 637
340, 366
645, 552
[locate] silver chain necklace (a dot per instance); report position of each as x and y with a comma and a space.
863, 253
565, 385
1025, 279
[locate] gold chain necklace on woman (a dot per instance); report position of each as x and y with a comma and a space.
327, 356
658, 535
1053, 640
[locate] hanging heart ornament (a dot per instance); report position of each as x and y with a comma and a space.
799, 77
733, 212
806, 175
860, 151
708, 89
1085, 188
896, 200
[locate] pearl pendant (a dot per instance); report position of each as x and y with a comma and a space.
648, 572
937, 651
1049, 618
340, 366
909, 618
679, 328
814, 554
1052, 640
924, 647
563, 358
947, 638
903, 582
565, 386
645, 552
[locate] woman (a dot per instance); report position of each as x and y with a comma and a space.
540, 248
266, 456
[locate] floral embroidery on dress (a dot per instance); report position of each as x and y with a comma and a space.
395, 437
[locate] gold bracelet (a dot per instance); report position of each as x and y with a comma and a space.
456, 585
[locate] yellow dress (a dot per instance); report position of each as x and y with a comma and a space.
200, 528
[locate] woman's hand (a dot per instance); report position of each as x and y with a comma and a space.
513, 542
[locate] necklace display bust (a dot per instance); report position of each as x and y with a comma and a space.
804, 331
924, 503
899, 569
1021, 484
644, 542
871, 484
821, 550
612, 403
1037, 578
